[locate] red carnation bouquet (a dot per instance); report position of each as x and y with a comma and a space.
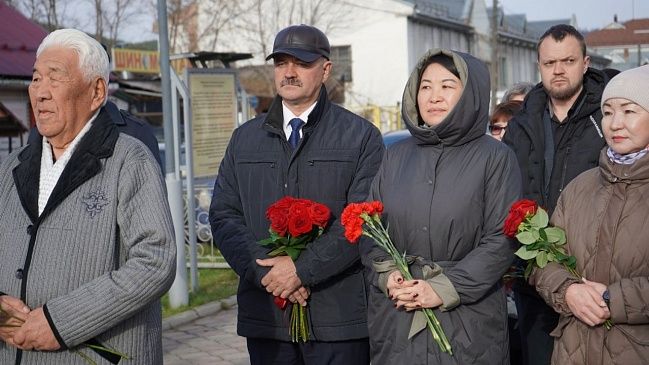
293, 224
540, 244
364, 219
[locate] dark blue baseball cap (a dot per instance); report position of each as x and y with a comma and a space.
303, 42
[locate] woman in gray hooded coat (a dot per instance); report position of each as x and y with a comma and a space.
446, 193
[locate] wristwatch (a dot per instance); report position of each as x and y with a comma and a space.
607, 297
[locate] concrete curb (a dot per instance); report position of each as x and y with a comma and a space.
198, 312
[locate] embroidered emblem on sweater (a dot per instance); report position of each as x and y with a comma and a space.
95, 202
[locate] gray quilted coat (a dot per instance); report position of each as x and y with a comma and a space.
446, 192
99, 256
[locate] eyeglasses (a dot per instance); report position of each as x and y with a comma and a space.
496, 129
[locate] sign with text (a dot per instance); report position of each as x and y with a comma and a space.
140, 61
214, 117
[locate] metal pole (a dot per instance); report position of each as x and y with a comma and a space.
494, 55
178, 294
181, 88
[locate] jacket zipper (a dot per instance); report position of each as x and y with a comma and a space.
32, 229
564, 168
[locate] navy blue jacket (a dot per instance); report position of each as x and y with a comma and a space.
334, 164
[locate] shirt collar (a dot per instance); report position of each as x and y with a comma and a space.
47, 148
288, 114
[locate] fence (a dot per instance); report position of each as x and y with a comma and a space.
385, 118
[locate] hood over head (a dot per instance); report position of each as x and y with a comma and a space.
468, 119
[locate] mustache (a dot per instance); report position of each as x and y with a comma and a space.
291, 82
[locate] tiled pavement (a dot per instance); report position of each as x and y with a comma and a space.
211, 339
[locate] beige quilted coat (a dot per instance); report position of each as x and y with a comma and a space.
605, 212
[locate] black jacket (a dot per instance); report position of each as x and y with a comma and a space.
126, 123
334, 164
577, 152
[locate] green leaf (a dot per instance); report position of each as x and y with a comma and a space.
542, 235
527, 237
525, 254
571, 262
293, 253
267, 242
551, 257
540, 219
555, 235
542, 259
281, 241
279, 251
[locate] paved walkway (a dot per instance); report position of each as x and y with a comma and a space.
211, 339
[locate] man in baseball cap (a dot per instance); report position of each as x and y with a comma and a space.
305, 147
303, 42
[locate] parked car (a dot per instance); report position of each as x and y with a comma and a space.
392, 137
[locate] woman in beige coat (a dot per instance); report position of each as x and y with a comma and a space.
605, 212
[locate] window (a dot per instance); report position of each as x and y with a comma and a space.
503, 81
341, 56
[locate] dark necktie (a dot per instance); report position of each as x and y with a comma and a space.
294, 138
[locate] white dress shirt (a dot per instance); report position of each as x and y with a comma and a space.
288, 115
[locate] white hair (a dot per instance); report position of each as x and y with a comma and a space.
93, 59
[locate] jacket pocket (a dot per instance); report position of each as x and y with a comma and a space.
331, 173
257, 172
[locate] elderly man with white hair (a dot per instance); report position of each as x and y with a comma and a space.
86, 240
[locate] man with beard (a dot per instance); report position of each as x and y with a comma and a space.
556, 136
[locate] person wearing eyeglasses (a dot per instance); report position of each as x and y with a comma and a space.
501, 116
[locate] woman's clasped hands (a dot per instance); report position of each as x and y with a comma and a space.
586, 303
411, 294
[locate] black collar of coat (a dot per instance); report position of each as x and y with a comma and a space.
537, 100
98, 143
274, 121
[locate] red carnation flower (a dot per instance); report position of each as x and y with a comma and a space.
377, 207
351, 212
354, 232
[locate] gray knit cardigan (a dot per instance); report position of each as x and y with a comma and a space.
101, 254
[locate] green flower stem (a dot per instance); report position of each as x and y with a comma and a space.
380, 235
85, 357
109, 350
299, 328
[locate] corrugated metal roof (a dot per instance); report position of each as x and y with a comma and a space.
538, 27
19, 39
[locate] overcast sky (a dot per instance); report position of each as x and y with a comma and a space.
591, 14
